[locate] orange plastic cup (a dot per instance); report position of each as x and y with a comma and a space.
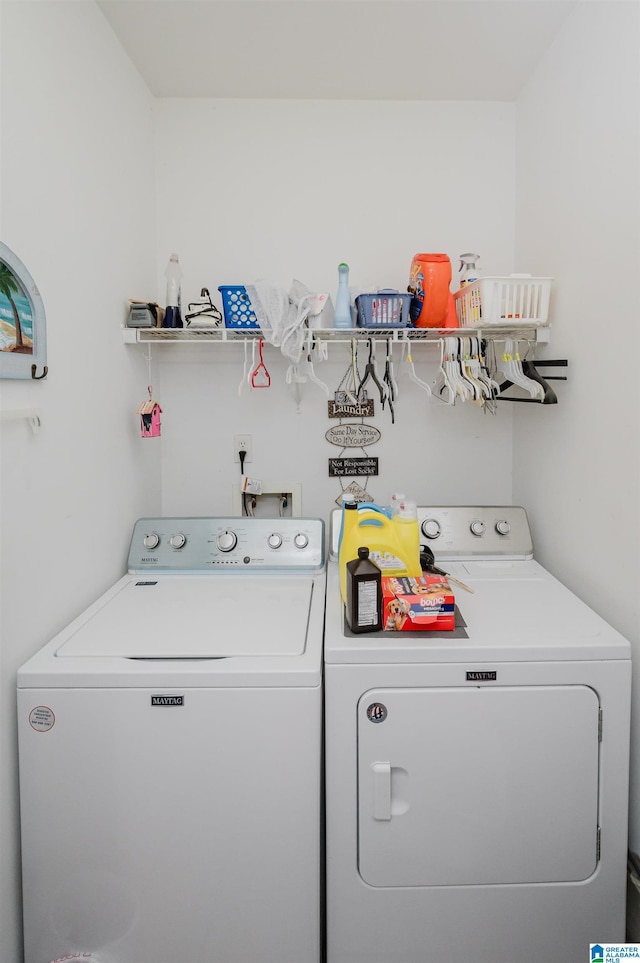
429, 282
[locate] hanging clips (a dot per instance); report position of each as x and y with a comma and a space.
390, 382
355, 374
371, 372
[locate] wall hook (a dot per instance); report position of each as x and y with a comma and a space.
45, 372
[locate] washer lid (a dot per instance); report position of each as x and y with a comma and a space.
190, 617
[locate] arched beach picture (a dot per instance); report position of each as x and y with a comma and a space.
16, 318
23, 326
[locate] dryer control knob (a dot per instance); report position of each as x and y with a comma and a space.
274, 540
178, 540
503, 527
477, 527
151, 540
431, 528
226, 541
300, 540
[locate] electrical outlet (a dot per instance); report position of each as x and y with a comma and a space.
242, 443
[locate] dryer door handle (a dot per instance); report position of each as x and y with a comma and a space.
381, 790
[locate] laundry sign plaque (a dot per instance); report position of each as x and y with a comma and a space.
352, 436
343, 408
339, 467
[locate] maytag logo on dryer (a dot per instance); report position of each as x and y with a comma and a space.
482, 676
167, 700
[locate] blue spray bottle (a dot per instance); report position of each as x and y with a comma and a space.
342, 316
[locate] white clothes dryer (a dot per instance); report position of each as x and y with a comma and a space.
170, 754
476, 780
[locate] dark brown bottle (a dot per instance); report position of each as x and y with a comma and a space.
364, 594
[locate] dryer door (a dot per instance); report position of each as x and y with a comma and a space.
477, 785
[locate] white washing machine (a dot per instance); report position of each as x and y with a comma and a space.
170, 754
476, 780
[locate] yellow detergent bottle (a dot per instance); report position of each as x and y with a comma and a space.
393, 543
408, 533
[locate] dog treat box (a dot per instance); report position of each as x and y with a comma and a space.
425, 604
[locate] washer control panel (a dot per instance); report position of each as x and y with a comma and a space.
476, 531
227, 544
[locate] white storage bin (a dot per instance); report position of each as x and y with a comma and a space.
516, 301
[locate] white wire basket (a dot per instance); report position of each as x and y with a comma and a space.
517, 301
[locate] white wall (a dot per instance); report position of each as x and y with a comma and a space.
287, 189
77, 208
576, 466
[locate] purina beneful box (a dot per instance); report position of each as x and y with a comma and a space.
417, 604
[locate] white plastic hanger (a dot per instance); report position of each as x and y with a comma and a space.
470, 367
253, 361
412, 371
351, 379
243, 379
442, 388
293, 377
310, 369
512, 368
461, 387
490, 388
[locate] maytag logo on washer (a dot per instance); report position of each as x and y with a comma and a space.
167, 700
482, 676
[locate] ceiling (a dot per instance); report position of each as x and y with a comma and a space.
336, 49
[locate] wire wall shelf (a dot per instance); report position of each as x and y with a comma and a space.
222, 335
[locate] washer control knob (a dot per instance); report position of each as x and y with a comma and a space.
503, 527
274, 540
151, 540
300, 540
477, 527
431, 528
178, 540
226, 541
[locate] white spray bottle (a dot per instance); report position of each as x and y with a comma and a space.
468, 269
468, 274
